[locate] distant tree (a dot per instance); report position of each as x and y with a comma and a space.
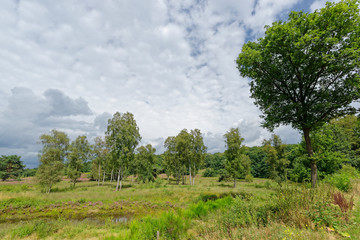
237, 162
276, 158
197, 152
10, 167
122, 137
259, 167
172, 163
52, 156
333, 147
183, 151
79, 152
305, 70
101, 159
145, 160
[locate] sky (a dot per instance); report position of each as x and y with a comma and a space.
70, 65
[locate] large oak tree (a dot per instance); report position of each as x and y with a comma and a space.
305, 70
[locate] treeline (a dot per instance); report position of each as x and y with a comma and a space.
117, 155
335, 144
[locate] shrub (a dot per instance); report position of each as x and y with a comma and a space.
169, 225
209, 172
249, 178
342, 179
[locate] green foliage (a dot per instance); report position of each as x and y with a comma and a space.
145, 159
101, 159
79, 152
172, 164
29, 172
209, 172
295, 66
259, 167
249, 178
169, 225
185, 151
276, 158
302, 207
10, 167
304, 70
342, 180
42, 229
55, 146
122, 137
238, 164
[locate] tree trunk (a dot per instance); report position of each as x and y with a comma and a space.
111, 177
99, 176
234, 181
118, 180
310, 155
190, 175
121, 176
194, 175
103, 179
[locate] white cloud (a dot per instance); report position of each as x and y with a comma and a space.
320, 4
171, 63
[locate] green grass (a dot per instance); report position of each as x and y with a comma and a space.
208, 210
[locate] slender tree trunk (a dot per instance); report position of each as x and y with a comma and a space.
99, 176
103, 179
194, 175
310, 155
111, 177
118, 180
121, 177
234, 181
190, 175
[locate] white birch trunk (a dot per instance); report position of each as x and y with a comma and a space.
99, 176
111, 177
190, 175
103, 179
118, 180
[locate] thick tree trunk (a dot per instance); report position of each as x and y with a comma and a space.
118, 180
310, 155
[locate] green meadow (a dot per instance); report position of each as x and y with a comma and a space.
163, 210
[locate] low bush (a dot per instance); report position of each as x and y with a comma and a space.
342, 180
169, 225
209, 172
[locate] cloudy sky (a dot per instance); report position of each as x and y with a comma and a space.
70, 64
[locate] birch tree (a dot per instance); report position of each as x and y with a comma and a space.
51, 158
122, 137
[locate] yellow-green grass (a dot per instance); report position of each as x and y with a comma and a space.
88, 210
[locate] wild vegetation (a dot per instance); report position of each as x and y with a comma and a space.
304, 72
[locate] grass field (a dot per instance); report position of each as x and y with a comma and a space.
208, 210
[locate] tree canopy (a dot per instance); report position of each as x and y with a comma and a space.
305, 70
122, 137
52, 156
